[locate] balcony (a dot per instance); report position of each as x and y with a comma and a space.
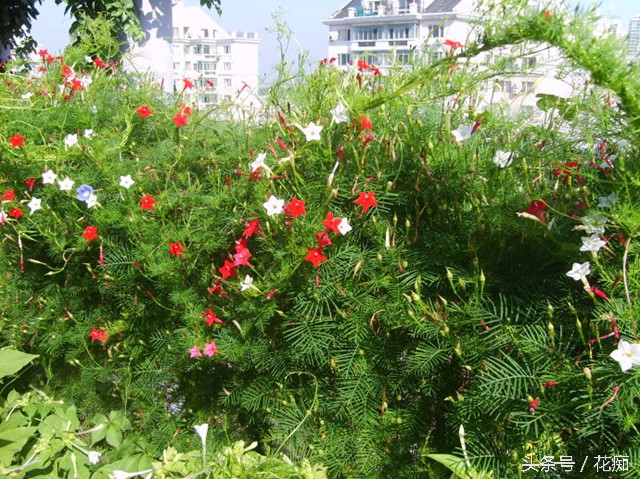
381, 10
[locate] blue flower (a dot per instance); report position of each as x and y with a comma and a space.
84, 192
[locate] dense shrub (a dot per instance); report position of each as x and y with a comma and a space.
352, 277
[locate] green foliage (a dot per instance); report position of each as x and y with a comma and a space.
12, 361
175, 298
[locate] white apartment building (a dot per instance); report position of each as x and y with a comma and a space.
390, 32
634, 38
223, 66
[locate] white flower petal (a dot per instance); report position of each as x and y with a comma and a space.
34, 205
274, 206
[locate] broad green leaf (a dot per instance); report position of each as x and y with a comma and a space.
12, 361
458, 467
12, 442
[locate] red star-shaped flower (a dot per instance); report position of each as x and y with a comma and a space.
9, 195
536, 208
453, 44
16, 213
315, 256
179, 120
99, 335
251, 228
218, 287
210, 317
30, 182
187, 83
366, 200
228, 269
365, 124
147, 202
295, 208
323, 238
17, 141
90, 233
144, 111
331, 223
176, 248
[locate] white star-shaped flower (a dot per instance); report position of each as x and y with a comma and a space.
274, 206
34, 205
94, 457
344, 227
247, 283
592, 224
627, 354
86, 80
503, 158
71, 140
258, 162
88, 134
592, 243
312, 132
340, 113
27, 95
93, 199
463, 132
3, 218
126, 181
66, 184
48, 177
607, 201
579, 271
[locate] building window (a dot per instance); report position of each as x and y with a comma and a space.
435, 56
187, 66
366, 33
185, 31
344, 59
208, 98
176, 65
403, 31
227, 49
529, 62
197, 49
404, 57
205, 33
176, 32
205, 49
227, 65
344, 35
527, 86
227, 82
436, 31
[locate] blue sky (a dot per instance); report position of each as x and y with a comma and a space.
303, 17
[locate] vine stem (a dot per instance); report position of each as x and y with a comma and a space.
308, 413
624, 271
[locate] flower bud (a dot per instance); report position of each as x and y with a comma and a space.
407, 223
415, 296
587, 373
387, 241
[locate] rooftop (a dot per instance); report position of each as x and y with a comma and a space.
366, 8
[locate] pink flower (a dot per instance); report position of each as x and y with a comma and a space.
210, 348
195, 352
